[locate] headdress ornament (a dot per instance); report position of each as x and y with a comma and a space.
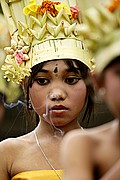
6, 88
102, 32
42, 30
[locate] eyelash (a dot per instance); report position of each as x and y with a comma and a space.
42, 81
45, 81
75, 80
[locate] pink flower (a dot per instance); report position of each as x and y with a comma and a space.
74, 11
19, 56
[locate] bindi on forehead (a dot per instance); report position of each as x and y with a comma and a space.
56, 69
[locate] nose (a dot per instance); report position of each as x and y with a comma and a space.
57, 95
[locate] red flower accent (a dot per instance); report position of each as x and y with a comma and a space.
74, 11
19, 56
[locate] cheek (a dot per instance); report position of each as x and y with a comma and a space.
79, 95
112, 86
37, 100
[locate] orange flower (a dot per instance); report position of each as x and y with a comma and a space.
48, 6
112, 7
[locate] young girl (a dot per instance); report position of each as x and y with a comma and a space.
95, 154
53, 66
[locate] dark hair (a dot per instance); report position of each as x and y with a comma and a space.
84, 70
2, 97
114, 61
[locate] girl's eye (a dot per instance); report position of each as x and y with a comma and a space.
72, 80
42, 81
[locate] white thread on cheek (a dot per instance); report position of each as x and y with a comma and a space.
45, 116
59, 132
52, 96
46, 112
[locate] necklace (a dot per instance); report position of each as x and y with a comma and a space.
45, 156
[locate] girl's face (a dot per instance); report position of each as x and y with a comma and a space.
59, 92
112, 87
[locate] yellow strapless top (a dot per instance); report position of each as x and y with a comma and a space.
39, 175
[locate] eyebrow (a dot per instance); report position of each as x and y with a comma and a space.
74, 70
43, 70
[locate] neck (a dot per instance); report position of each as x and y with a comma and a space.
47, 130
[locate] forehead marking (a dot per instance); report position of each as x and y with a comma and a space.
56, 69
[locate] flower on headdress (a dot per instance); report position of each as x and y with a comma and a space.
19, 56
63, 6
74, 11
15, 72
31, 9
114, 5
15, 68
48, 6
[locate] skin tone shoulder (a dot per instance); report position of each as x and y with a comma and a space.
85, 150
95, 154
53, 98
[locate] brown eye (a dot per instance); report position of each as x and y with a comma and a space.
72, 80
42, 81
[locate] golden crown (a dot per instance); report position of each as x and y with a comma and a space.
42, 31
102, 32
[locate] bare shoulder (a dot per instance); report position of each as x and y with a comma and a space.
89, 148
102, 129
74, 142
6, 145
9, 150
12, 144
88, 136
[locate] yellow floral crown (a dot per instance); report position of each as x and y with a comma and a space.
102, 32
42, 31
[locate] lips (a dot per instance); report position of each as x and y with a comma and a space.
58, 108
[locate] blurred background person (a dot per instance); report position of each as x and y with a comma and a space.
95, 153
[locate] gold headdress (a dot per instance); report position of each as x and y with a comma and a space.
102, 32
6, 88
42, 30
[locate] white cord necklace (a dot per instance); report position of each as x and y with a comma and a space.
40, 147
